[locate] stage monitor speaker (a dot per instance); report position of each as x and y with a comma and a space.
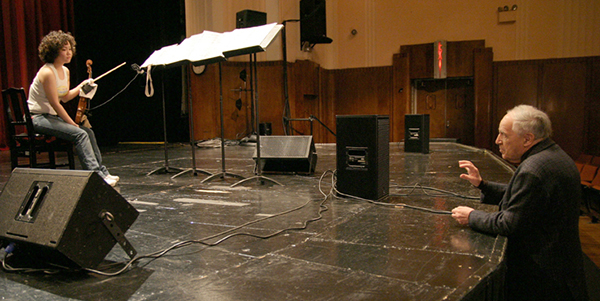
57, 216
313, 22
287, 154
363, 155
250, 18
416, 133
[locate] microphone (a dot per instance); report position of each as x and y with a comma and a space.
137, 68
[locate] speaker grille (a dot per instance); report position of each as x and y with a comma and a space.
287, 154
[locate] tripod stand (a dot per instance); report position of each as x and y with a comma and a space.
166, 168
259, 177
193, 170
223, 173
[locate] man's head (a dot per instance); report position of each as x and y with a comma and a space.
521, 128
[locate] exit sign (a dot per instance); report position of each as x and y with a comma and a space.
439, 59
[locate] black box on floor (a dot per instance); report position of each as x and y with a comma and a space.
416, 133
55, 216
363, 155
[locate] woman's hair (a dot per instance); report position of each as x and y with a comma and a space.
528, 119
52, 43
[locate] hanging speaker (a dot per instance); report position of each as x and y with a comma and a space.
287, 154
250, 18
69, 218
313, 22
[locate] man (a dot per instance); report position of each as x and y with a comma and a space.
538, 210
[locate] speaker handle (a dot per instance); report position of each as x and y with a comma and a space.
109, 222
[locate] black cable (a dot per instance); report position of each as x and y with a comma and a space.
110, 99
443, 192
203, 241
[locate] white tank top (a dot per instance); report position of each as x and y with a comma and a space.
38, 102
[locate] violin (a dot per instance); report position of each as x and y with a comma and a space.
84, 102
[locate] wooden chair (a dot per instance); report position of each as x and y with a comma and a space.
582, 160
23, 141
588, 172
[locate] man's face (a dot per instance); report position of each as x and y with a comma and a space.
512, 145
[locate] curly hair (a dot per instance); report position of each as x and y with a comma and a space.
52, 43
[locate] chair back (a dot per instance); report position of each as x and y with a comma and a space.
17, 116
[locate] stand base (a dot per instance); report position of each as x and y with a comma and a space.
261, 180
222, 175
194, 172
164, 170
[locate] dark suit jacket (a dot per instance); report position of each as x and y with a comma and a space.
539, 214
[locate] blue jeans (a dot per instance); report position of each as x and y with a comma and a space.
83, 138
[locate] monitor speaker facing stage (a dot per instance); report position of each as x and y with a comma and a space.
69, 218
287, 154
363, 156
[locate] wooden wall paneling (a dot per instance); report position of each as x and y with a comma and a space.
205, 103
514, 83
592, 145
460, 110
563, 99
401, 91
237, 121
459, 57
483, 74
327, 107
305, 76
270, 94
421, 60
363, 91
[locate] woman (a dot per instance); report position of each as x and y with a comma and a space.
49, 87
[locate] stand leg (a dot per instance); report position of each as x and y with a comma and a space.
166, 168
193, 170
261, 179
222, 174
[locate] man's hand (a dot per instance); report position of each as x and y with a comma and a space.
472, 174
461, 214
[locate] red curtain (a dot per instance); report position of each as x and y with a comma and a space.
24, 23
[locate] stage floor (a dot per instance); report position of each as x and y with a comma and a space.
312, 247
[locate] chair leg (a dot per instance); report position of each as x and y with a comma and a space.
52, 159
14, 159
71, 156
32, 158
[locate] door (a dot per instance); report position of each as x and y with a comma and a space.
450, 105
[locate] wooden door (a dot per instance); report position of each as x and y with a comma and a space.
450, 105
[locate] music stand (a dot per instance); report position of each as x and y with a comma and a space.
166, 168
193, 170
223, 172
259, 177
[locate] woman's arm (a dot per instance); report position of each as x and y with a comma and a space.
75, 91
49, 81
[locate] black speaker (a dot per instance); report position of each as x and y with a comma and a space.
287, 154
363, 155
313, 22
57, 216
250, 18
416, 133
